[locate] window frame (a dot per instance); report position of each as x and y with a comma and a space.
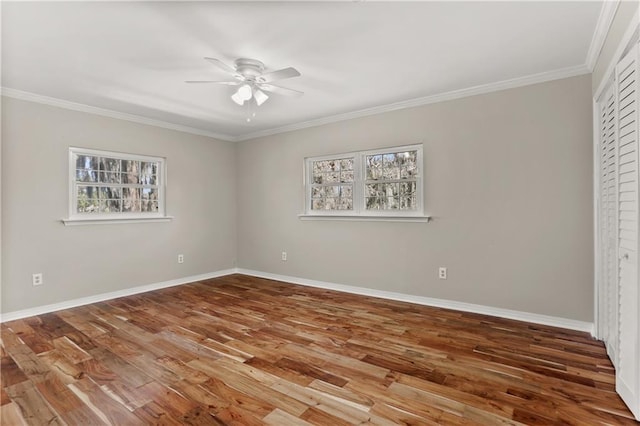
118, 217
359, 183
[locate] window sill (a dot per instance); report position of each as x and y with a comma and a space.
112, 221
362, 218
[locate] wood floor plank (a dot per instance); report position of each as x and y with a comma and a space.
10, 373
238, 350
10, 415
278, 417
33, 407
103, 406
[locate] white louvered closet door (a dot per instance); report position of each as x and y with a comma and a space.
628, 362
609, 221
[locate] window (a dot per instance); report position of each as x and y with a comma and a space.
383, 182
110, 185
332, 184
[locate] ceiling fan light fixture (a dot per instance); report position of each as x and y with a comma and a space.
260, 96
237, 99
245, 92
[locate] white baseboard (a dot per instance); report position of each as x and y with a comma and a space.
420, 300
39, 310
428, 301
628, 395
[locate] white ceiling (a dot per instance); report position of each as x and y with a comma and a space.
133, 58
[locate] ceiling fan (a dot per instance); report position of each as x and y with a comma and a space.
253, 81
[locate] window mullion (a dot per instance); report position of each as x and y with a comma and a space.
358, 190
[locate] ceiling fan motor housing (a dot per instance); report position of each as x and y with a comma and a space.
249, 68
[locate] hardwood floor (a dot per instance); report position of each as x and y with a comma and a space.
247, 351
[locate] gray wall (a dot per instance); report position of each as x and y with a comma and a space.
88, 260
507, 178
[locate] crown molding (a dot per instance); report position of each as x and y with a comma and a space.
411, 103
416, 102
607, 13
74, 106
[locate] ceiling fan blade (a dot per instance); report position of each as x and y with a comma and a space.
278, 75
224, 67
280, 90
228, 83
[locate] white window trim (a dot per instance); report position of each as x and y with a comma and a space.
359, 212
75, 218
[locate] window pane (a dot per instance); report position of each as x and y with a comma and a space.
408, 203
87, 206
317, 168
391, 167
330, 203
131, 193
374, 167
372, 189
131, 199
86, 162
84, 175
389, 189
346, 191
108, 177
130, 171
317, 192
389, 203
332, 177
148, 179
345, 204
318, 178
149, 206
346, 176
391, 173
110, 206
131, 206
329, 165
372, 203
317, 204
149, 201
130, 166
86, 192
87, 199
149, 194
148, 173
149, 168
407, 188
390, 160
109, 164
408, 164
332, 191
108, 192
346, 164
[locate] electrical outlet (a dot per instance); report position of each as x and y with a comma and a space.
442, 273
36, 279
284, 256
181, 258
